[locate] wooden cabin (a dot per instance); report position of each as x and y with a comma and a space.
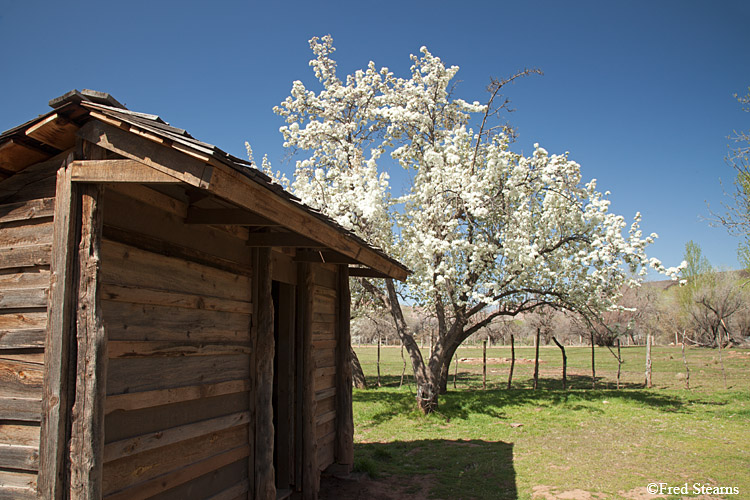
172, 324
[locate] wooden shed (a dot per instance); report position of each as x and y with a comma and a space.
172, 324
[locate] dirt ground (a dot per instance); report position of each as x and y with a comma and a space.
361, 487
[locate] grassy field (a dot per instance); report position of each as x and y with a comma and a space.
581, 443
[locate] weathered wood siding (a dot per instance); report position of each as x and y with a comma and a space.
26, 218
324, 354
176, 304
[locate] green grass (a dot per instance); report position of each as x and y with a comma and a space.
606, 441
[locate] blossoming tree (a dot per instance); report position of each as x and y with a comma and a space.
484, 229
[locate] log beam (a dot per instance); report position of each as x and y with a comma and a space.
310, 472
226, 216
344, 440
87, 429
57, 350
265, 479
117, 171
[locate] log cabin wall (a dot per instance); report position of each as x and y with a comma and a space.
26, 222
324, 354
176, 301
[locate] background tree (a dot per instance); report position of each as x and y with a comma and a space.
736, 218
482, 227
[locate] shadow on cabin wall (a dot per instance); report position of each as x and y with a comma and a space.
415, 469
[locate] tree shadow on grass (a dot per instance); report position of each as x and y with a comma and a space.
447, 468
461, 404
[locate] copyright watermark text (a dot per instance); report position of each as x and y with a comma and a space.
691, 489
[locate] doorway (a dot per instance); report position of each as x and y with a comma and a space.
286, 403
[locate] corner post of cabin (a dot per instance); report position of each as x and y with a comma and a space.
87, 427
57, 390
310, 472
265, 480
344, 447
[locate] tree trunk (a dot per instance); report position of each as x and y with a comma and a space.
512, 359
455, 374
358, 376
403, 370
565, 364
721, 359
648, 361
427, 394
619, 364
684, 360
536, 359
593, 363
378, 382
484, 365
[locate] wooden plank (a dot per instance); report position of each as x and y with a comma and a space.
19, 457
324, 276
55, 131
253, 358
130, 349
25, 256
325, 358
150, 296
327, 257
325, 417
139, 444
344, 443
234, 216
159, 397
118, 171
21, 409
129, 266
33, 232
146, 374
23, 297
20, 319
152, 198
148, 152
325, 456
15, 155
29, 277
211, 485
262, 240
324, 343
147, 221
26, 434
167, 481
87, 422
310, 474
325, 394
27, 210
265, 479
9, 493
18, 479
366, 272
130, 424
10, 187
20, 379
138, 322
326, 428
123, 478
238, 490
22, 339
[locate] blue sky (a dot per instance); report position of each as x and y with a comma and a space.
639, 93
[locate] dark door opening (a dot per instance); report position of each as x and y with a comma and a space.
285, 400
